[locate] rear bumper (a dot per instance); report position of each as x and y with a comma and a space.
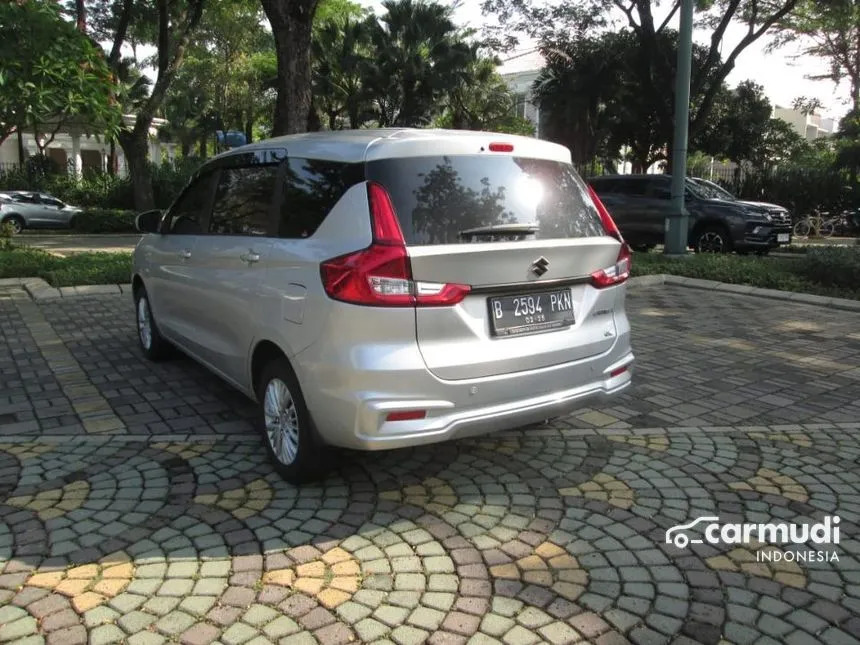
350, 407
452, 423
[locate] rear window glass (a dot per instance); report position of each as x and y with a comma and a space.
460, 199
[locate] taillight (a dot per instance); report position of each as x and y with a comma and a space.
620, 271
605, 218
617, 273
381, 274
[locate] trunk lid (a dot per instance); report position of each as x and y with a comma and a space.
524, 234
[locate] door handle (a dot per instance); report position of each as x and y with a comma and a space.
185, 254
250, 257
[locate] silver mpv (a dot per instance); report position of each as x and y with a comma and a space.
375, 289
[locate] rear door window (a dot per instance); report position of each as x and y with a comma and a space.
243, 200
479, 198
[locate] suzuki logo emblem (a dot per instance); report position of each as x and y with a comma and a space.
540, 266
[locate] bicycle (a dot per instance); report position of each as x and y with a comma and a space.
818, 224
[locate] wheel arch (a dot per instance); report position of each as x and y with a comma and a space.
264, 352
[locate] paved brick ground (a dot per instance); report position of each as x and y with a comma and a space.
136, 505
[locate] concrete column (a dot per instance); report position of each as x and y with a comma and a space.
155, 152
77, 162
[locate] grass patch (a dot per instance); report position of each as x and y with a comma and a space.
825, 272
77, 269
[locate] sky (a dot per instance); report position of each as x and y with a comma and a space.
782, 73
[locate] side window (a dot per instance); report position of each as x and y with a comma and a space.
50, 201
189, 211
311, 189
243, 201
660, 188
635, 187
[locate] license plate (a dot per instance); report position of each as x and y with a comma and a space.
782, 237
528, 314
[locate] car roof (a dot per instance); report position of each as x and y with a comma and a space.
356, 146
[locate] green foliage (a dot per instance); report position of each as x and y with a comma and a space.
76, 269
104, 220
481, 100
419, 56
594, 96
7, 232
100, 190
51, 73
828, 273
828, 30
738, 125
837, 266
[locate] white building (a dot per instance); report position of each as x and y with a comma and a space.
78, 149
808, 126
519, 72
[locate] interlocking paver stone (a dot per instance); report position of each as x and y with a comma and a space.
176, 529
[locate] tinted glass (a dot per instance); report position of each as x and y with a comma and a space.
243, 201
456, 199
311, 190
189, 211
633, 186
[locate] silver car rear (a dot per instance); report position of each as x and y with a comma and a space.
454, 283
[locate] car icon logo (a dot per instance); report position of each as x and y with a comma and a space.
540, 266
679, 539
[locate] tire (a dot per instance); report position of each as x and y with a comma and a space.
712, 239
292, 443
762, 253
153, 345
16, 222
826, 229
802, 228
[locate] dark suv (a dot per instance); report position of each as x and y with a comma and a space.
639, 204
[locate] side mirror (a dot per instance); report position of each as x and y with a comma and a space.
148, 222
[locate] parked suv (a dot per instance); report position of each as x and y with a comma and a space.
373, 289
640, 205
24, 209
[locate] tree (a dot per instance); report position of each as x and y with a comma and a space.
419, 57
481, 100
739, 124
169, 25
292, 24
592, 95
342, 55
51, 75
654, 63
830, 30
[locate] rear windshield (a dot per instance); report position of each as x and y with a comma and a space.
459, 199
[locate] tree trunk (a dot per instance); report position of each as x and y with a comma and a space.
112, 161
202, 148
314, 123
22, 153
134, 144
81, 16
332, 120
291, 22
249, 131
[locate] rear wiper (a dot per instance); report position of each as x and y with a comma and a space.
501, 228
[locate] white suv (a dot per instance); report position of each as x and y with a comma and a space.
374, 289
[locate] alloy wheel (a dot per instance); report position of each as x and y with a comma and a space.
144, 323
711, 242
282, 421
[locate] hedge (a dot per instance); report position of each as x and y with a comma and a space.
105, 220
